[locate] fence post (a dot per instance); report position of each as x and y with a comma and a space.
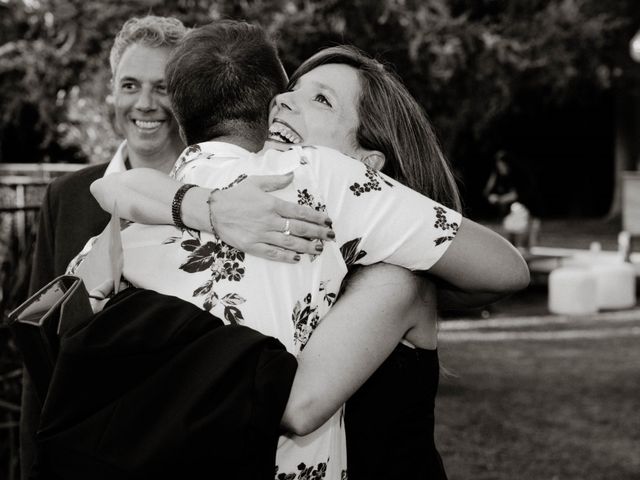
21, 217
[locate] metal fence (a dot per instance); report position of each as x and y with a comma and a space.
22, 187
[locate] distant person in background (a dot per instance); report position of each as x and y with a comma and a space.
509, 193
69, 215
500, 190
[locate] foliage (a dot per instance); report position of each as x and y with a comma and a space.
15, 264
475, 65
486, 71
469, 63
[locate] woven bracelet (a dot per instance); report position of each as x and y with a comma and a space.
176, 205
210, 204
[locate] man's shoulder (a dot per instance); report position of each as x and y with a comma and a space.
316, 154
78, 180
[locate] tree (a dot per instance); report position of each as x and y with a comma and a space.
474, 65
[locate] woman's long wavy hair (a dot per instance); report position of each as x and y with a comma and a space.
392, 122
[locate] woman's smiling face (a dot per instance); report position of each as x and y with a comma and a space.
320, 109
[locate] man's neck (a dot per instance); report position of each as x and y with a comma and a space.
249, 144
163, 163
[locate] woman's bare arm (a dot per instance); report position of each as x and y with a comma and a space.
380, 305
244, 216
481, 261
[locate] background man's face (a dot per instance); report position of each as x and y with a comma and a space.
142, 107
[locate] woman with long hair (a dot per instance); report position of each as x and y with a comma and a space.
342, 99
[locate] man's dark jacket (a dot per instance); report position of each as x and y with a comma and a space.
69, 216
154, 387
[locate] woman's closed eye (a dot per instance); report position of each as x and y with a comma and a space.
322, 99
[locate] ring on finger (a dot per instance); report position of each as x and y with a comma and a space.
287, 225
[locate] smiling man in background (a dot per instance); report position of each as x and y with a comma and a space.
69, 215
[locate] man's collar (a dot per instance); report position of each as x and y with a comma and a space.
117, 163
224, 149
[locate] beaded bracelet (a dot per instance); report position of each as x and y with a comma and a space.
176, 205
210, 204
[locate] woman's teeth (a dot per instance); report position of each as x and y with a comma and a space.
147, 125
282, 133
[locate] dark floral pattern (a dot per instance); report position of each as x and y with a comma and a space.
328, 297
305, 315
306, 198
236, 181
305, 319
443, 224
372, 184
190, 153
225, 263
307, 473
350, 252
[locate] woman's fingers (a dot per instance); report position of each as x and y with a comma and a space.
277, 254
302, 229
309, 228
270, 183
293, 243
302, 213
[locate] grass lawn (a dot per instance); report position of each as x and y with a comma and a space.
541, 409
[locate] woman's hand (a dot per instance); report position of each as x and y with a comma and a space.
245, 216
256, 222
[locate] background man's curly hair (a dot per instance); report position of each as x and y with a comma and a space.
150, 31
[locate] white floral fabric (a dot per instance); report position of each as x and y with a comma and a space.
375, 219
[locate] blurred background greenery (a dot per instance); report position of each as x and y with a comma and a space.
548, 82
538, 79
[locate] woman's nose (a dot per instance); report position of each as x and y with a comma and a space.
284, 100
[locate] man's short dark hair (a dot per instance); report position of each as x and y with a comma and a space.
221, 77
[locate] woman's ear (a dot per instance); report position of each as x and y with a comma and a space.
373, 159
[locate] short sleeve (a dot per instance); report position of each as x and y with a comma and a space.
377, 219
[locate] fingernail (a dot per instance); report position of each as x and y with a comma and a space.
296, 257
319, 246
331, 234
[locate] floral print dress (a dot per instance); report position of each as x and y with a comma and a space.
375, 220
